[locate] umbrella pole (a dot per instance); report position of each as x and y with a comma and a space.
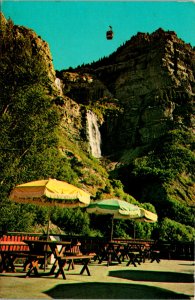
112, 225
134, 230
47, 238
48, 226
111, 235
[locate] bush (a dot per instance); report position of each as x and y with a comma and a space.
71, 221
15, 217
170, 230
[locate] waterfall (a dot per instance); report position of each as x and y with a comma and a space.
58, 85
94, 134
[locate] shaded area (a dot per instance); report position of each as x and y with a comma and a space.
155, 276
96, 290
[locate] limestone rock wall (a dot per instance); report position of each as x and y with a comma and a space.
153, 76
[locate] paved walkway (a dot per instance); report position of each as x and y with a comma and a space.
167, 280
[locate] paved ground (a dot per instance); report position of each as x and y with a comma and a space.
166, 280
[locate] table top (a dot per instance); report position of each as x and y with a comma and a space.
112, 243
42, 242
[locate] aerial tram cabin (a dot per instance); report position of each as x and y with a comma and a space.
109, 33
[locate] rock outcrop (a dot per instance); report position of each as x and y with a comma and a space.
22, 45
152, 76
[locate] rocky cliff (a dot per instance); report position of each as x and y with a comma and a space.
140, 93
152, 77
140, 98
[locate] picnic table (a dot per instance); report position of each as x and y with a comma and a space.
117, 251
138, 251
110, 252
134, 251
38, 248
9, 251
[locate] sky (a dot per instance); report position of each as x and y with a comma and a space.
76, 30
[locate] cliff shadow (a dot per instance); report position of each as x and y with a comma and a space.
101, 290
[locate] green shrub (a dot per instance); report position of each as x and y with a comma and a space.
170, 230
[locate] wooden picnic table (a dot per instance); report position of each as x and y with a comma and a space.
117, 251
135, 251
38, 248
9, 251
111, 252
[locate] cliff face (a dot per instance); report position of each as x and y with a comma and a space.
152, 76
23, 50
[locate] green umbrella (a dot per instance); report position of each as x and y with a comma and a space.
119, 209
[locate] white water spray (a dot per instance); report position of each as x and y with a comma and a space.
94, 134
58, 85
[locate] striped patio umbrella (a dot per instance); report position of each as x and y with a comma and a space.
118, 209
50, 192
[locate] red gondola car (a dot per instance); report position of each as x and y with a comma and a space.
109, 33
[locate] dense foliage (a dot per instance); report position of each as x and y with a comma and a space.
29, 122
166, 175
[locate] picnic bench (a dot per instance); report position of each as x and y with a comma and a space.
11, 249
8, 255
71, 259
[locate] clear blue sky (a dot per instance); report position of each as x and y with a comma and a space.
75, 31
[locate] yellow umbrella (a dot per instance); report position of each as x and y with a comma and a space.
50, 192
147, 216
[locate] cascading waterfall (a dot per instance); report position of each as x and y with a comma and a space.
94, 134
58, 85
